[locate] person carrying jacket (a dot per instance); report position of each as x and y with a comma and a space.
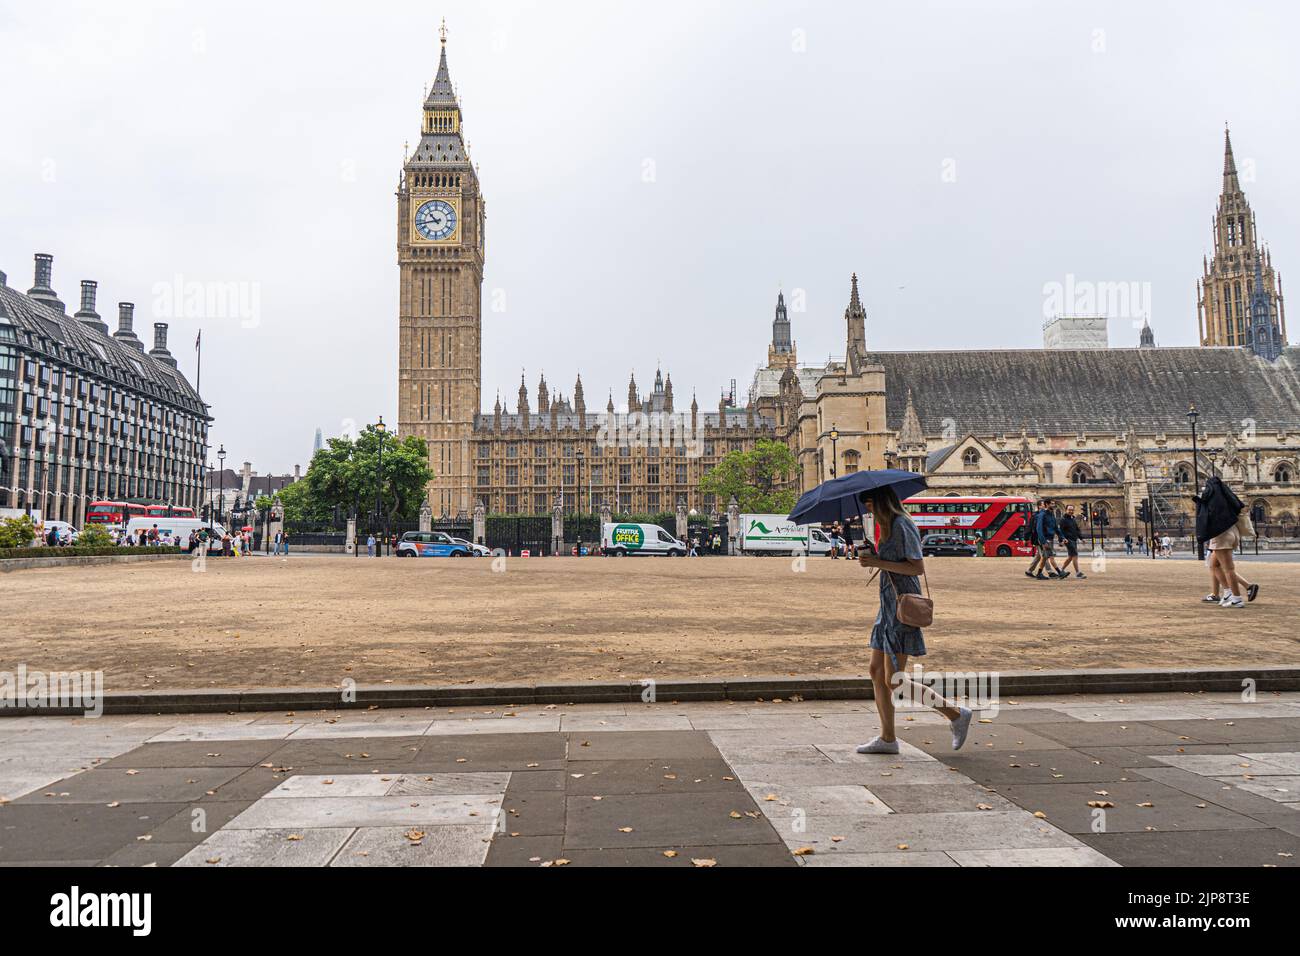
1219, 523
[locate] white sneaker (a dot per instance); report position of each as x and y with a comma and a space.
877, 746
1232, 601
960, 727
1212, 599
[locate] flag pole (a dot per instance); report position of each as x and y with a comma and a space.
198, 373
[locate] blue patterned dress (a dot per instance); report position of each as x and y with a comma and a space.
889, 634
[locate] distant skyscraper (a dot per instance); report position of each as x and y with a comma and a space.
318, 444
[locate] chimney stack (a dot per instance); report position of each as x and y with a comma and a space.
125, 321
42, 291
87, 314
4, 279
297, 472
159, 350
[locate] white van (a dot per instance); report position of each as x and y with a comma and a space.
628, 538
168, 526
776, 534
62, 527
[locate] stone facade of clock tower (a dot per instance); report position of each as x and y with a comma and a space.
440, 220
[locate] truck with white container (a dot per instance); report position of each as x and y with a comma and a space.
777, 534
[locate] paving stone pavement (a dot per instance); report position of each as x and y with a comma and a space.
1181, 779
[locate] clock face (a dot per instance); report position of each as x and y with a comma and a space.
436, 219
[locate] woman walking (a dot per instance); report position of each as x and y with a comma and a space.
899, 564
1219, 513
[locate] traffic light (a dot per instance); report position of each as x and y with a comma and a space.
1143, 513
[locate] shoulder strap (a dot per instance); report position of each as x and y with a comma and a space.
889, 577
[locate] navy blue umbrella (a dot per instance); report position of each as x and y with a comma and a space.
837, 499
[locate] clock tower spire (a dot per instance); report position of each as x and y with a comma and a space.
440, 221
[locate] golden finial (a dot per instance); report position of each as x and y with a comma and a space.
442, 31
406, 149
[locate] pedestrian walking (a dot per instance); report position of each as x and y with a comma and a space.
1221, 522
899, 564
1048, 533
370, 546
1071, 534
1031, 534
1167, 546
1128, 544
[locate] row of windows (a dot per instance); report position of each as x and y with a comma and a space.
595, 476
628, 502
570, 449
92, 393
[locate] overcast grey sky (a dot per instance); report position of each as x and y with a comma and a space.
959, 156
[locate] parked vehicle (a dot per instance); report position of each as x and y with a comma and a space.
776, 534
947, 546
480, 551
433, 544
181, 526
62, 526
627, 538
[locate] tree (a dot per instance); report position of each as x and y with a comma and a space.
755, 478
344, 477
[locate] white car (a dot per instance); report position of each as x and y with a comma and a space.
479, 550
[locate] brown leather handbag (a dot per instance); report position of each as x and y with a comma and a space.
913, 609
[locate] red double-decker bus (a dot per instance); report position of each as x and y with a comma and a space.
113, 512
168, 511
998, 524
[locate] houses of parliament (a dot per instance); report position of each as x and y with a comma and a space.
1094, 425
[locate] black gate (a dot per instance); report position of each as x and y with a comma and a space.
700, 528
584, 528
517, 533
456, 527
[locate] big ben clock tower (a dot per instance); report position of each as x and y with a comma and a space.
440, 260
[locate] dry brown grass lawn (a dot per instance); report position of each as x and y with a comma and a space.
317, 620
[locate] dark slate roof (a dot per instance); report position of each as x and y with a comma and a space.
267, 485
1067, 391
98, 353
440, 149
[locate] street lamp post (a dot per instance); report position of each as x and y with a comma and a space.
1192, 416
221, 480
380, 428
835, 437
47, 436
577, 501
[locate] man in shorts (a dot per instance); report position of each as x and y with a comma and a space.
1047, 531
1071, 534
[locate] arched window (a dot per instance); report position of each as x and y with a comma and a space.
1183, 474
1284, 474
970, 458
850, 462
1080, 474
